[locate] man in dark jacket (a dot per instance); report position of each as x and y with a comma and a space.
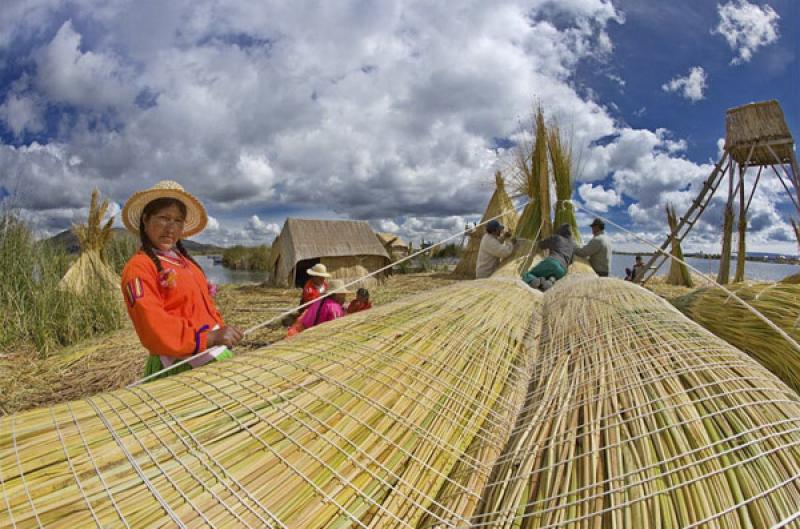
553, 267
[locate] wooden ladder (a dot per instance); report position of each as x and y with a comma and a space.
689, 219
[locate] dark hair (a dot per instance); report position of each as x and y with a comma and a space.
153, 207
638, 257
362, 293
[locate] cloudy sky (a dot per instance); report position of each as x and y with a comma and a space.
397, 112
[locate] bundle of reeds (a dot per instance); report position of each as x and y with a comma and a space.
793, 279
678, 272
637, 417
532, 179
542, 173
499, 203
388, 418
723, 276
561, 159
91, 268
728, 319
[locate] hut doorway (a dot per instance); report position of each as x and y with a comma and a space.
300, 273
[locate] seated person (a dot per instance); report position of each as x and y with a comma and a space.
360, 303
554, 266
324, 309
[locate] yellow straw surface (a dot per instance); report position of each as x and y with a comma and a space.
638, 418
731, 321
380, 419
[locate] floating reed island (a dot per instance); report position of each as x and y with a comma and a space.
390, 418
480, 404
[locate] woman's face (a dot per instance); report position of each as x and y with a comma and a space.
164, 228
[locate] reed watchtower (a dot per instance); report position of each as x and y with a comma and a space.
756, 136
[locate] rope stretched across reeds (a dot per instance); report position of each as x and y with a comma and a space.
780, 302
637, 417
388, 418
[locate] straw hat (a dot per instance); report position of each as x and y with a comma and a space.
318, 270
196, 217
336, 286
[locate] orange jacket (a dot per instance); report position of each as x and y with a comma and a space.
172, 312
312, 292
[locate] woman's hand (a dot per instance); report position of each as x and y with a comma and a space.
228, 336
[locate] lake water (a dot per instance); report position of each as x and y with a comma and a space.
755, 270
220, 275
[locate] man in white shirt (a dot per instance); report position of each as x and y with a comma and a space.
494, 247
598, 250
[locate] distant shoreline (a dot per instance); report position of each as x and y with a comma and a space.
777, 259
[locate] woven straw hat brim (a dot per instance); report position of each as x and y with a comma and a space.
318, 274
337, 287
196, 216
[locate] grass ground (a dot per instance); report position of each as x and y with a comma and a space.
29, 379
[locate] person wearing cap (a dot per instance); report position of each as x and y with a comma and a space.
598, 250
316, 284
168, 298
328, 308
554, 266
493, 248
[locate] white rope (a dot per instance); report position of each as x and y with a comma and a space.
330, 293
94, 464
132, 460
713, 282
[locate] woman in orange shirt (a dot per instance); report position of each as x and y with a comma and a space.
169, 299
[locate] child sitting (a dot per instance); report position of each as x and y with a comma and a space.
360, 303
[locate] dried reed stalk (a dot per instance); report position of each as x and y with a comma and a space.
678, 272
542, 174
386, 418
780, 302
637, 417
561, 160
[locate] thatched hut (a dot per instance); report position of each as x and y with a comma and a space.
348, 248
396, 247
499, 203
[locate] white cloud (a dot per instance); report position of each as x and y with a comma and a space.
377, 111
90, 79
691, 87
597, 198
260, 228
747, 27
22, 114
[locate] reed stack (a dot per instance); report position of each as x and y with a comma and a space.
779, 302
388, 418
638, 417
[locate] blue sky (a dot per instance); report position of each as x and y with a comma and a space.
395, 112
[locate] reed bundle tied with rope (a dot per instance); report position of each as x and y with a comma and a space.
388, 418
731, 321
637, 417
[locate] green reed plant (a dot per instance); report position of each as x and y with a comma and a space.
33, 309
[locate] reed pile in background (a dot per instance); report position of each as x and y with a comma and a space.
678, 272
637, 417
728, 319
388, 418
